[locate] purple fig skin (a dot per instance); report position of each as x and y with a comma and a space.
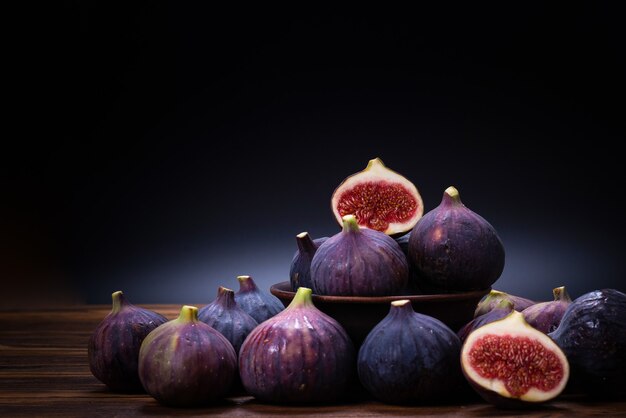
185, 362
300, 270
454, 249
113, 348
300, 355
403, 241
409, 357
259, 304
359, 262
592, 333
494, 297
546, 316
225, 316
502, 309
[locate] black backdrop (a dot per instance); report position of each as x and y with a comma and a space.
172, 147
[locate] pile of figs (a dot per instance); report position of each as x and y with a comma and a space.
513, 353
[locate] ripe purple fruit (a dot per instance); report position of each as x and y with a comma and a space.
454, 249
259, 304
359, 262
301, 355
113, 348
225, 316
185, 362
546, 316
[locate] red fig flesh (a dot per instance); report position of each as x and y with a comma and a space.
379, 198
511, 364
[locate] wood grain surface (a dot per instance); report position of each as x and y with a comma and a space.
44, 372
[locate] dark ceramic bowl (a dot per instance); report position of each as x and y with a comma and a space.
359, 314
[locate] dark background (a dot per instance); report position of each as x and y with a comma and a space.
169, 148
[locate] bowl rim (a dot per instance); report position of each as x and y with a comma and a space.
282, 290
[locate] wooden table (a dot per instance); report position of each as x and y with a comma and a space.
44, 372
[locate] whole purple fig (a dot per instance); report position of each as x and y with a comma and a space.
546, 316
502, 309
410, 358
454, 249
493, 299
300, 355
259, 304
359, 262
225, 316
300, 269
113, 348
592, 333
185, 362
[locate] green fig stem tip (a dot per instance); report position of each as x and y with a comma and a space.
188, 313
374, 162
350, 223
303, 297
246, 283
453, 193
118, 301
560, 294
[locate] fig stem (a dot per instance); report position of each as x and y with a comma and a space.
188, 314
305, 243
374, 162
451, 195
302, 298
401, 307
350, 224
560, 294
118, 301
226, 296
246, 284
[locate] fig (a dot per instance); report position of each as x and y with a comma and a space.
502, 309
454, 249
379, 198
225, 316
592, 333
300, 270
511, 364
259, 304
359, 262
185, 362
301, 355
403, 241
409, 357
546, 316
493, 299
113, 348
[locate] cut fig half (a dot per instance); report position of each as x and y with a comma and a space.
379, 198
511, 364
